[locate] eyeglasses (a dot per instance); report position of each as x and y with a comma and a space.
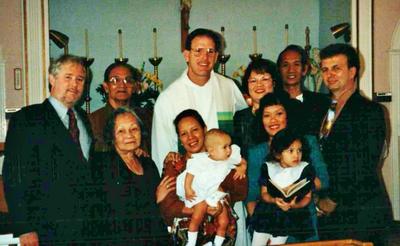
128, 81
199, 51
263, 80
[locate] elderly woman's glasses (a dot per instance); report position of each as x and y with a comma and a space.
128, 81
199, 51
262, 80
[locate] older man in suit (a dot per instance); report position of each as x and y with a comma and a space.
46, 169
352, 139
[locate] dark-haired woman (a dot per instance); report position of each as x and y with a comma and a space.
191, 128
276, 112
258, 80
127, 208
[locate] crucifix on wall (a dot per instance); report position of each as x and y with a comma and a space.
186, 5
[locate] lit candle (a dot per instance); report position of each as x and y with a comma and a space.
155, 42
255, 39
87, 43
120, 43
286, 34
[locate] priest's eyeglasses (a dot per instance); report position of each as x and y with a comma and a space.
128, 81
200, 51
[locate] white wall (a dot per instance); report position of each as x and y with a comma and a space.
136, 18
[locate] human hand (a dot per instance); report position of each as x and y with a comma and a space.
282, 204
190, 195
172, 157
240, 173
240, 170
139, 152
29, 239
293, 202
166, 185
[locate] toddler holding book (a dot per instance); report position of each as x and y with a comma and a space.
198, 185
286, 184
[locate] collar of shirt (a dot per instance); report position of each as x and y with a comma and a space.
191, 83
300, 97
341, 101
61, 110
84, 137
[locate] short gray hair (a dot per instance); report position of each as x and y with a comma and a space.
108, 132
55, 65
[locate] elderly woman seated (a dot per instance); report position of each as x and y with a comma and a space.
126, 201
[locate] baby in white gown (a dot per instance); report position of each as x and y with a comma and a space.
199, 185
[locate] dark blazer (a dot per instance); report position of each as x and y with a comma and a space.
45, 179
244, 130
352, 152
315, 106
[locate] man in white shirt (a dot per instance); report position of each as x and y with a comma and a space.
214, 96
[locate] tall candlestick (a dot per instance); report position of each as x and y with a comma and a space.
120, 43
223, 40
254, 40
307, 36
87, 43
155, 42
286, 34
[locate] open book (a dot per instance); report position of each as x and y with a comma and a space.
289, 192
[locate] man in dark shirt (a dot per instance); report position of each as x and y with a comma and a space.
293, 67
352, 147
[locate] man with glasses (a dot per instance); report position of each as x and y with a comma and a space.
120, 81
214, 96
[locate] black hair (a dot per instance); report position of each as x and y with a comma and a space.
204, 32
282, 141
188, 113
303, 59
108, 132
259, 66
135, 73
347, 50
293, 108
296, 48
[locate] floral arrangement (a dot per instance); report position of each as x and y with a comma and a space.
314, 78
239, 73
145, 93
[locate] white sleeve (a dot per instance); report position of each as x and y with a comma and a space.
240, 103
192, 165
163, 135
235, 157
